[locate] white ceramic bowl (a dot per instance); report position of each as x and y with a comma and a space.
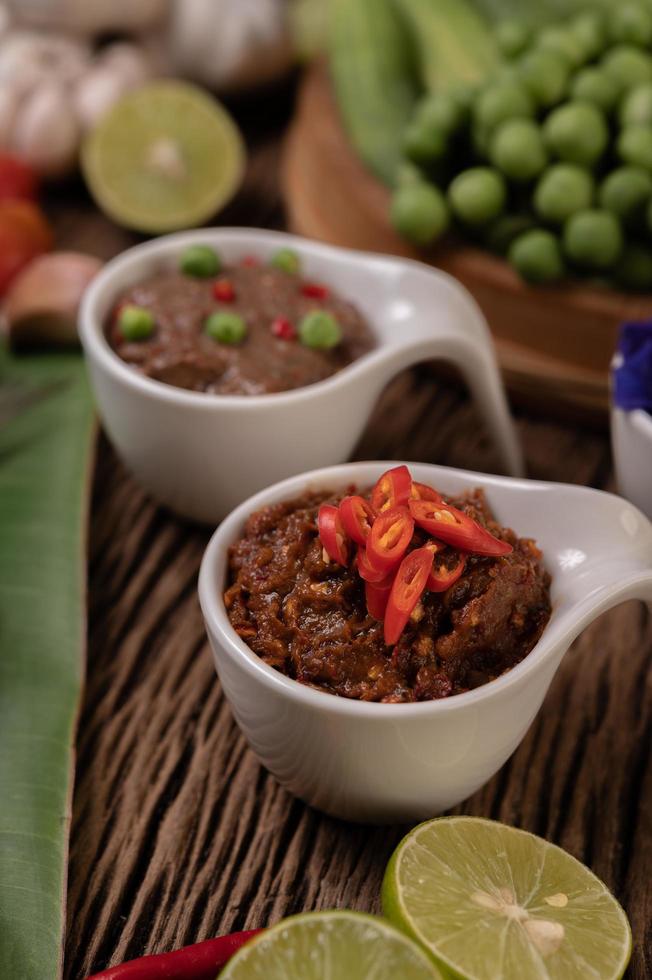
399, 762
631, 440
202, 454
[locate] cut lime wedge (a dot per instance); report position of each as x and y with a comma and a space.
491, 902
165, 157
330, 946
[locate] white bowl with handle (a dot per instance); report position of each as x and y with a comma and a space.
631, 440
401, 762
201, 454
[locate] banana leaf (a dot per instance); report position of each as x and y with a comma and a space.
46, 445
535, 12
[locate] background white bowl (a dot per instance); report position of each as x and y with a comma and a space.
398, 762
202, 454
631, 440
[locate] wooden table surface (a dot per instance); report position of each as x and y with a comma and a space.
178, 834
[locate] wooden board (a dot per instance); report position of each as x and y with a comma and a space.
554, 344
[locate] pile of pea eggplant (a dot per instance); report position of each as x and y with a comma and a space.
537, 144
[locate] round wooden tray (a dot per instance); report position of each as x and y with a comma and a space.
554, 344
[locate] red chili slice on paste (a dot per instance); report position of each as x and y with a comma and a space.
377, 596
223, 290
314, 290
357, 516
421, 491
456, 528
409, 585
392, 489
366, 570
390, 536
331, 534
447, 567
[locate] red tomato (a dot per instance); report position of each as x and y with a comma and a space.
447, 567
456, 528
377, 594
408, 587
421, 491
357, 517
331, 534
366, 570
392, 489
17, 180
390, 536
24, 234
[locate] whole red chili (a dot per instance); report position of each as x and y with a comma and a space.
198, 962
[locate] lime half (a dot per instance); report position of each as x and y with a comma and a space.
165, 157
492, 902
330, 946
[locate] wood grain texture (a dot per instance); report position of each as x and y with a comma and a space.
178, 834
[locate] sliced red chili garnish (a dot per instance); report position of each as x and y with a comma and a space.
447, 566
377, 596
408, 587
390, 536
314, 290
357, 516
283, 329
392, 489
421, 491
250, 261
223, 290
366, 570
331, 534
456, 528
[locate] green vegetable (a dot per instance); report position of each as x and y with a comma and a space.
500, 101
200, 261
626, 191
419, 212
577, 133
477, 195
513, 37
630, 23
634, 268
627, 66
443, 111
595, 85
634, 145
375, 80
287, 260
454, 43
136, 323
593, 239
501, 233
562, 42
589, 29
46, 448
424, 144
320, 329
636, 107
536, 256
517, 149
545, 75
562, 190
226, 328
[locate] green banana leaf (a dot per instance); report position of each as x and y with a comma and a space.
534, 12
46, 445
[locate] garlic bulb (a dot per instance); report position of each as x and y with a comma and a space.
90, 17
229, 46
46, 131
28, 59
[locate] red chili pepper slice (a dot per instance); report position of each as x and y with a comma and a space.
283, 329
377, 596
314, 290
421, 491
199, 962
390, 536
357, 516
392, 489
408, 587
444, 572
331, 534
456, 528
223, 290
250, 261
366, 570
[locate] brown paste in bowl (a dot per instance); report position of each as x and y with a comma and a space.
307, 616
